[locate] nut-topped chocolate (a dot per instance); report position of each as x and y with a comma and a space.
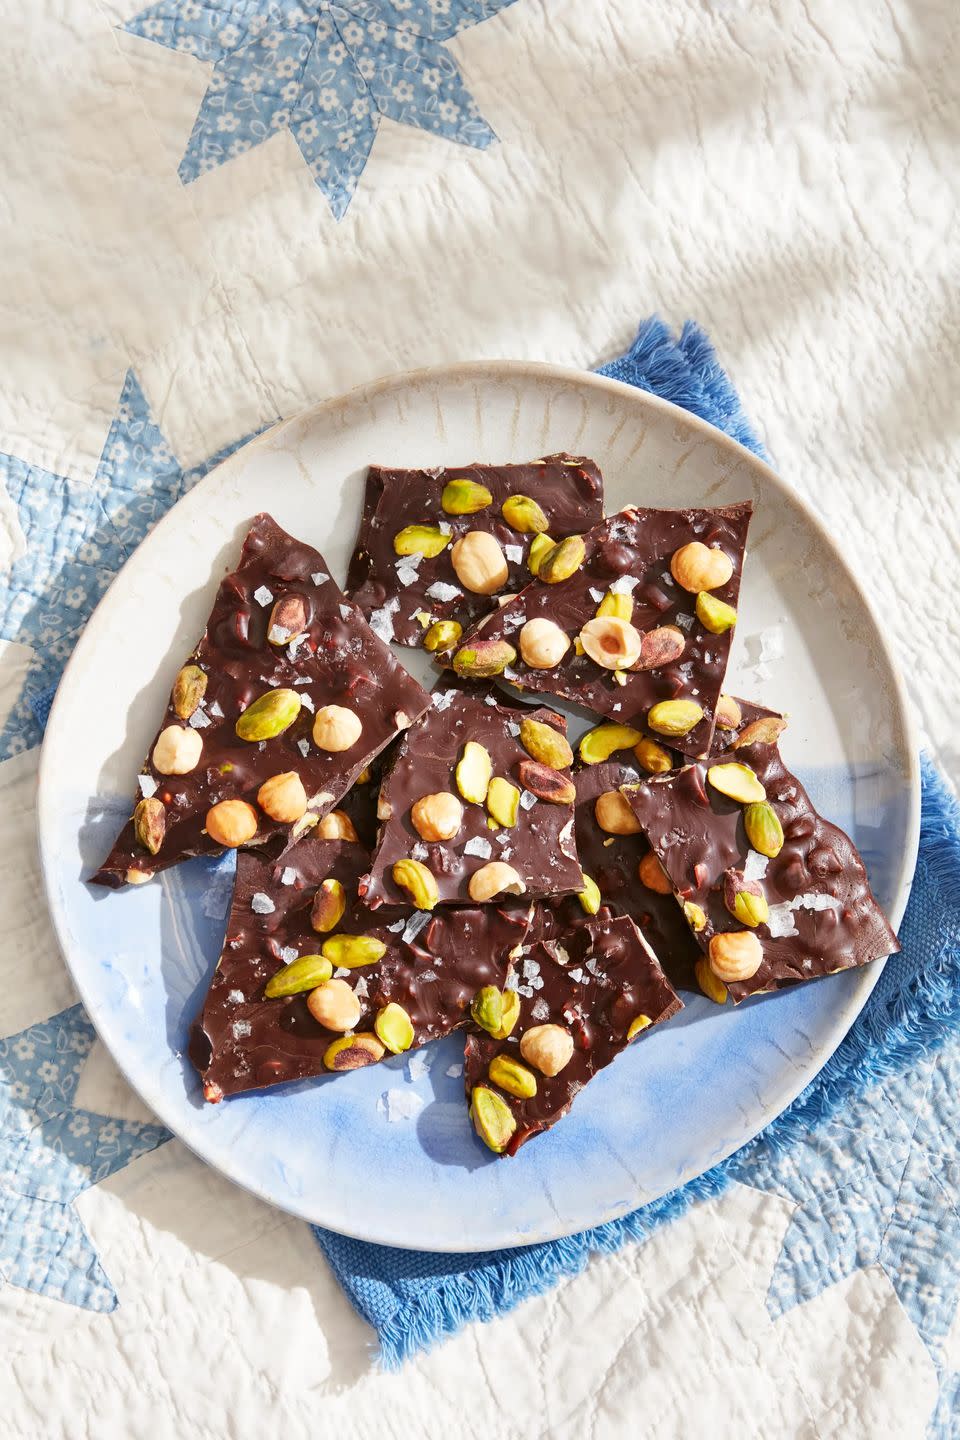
310, 982
286, 700
773, 893
471, 813
612, 850
437, 546
625, 621
578, 1004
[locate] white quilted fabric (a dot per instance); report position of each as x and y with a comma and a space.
783, 172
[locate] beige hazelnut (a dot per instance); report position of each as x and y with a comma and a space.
495, 878
613, 814
728, 713
548, 1048
336, 728
231, 823
615, 644
438, 816
697, 567
334, 1005
177, 750
283, 797
543, 644
479, 563
336, 826
137, 877
735, 955
652, 874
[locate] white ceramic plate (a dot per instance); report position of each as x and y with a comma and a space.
673, 1105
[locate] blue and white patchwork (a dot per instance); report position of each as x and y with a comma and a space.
50, 1151
328, 73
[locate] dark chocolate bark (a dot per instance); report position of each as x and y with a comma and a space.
595, 984
611, 861
630, 554
392, 589
331, 658
540, 846
823, 916
433, 967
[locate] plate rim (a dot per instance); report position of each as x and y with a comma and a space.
487, 371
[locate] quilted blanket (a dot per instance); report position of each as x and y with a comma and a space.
217, 213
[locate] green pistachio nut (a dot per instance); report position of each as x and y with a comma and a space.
304, 974
763, 828
738, 782
600, 743
540, 545
150, 823
513, 1077
329, 904
347, 952
589, 896
544, 743
525, 515
465, 497
487, 1009
620, 606
653, 757
563, 560
473, 773
492, 1118
715, 615
674, 717
503, 801
269, 715
419, 882
189, 689
442, 635
426, 540
638, 1023
394, 1028
483, 659
352, 1052
509, 1015
695, 916
751, 910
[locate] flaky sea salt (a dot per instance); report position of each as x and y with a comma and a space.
513, 622
240, 1029
308, 704
440, 590
360, 988
418, 1064
199, 720
576, 975
262, 595
624, 584
345, 612
442, 699
595, 594
477, 845
235, 997
261, 904
527, 800
409, 562
755, 865
772, 644
278, 635
319, 576
399, 1105
303, 745
407, 575
288, 875
780, 922
215, 710
540, 1010
396, 926
512, 728
148, 786
414, 925
454, 1071
381, 621
514, 553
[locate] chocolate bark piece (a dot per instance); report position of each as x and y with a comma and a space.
600, 983
612, 862
280, 627
466, 740
822, 916
432, 966
402, 594
657, 650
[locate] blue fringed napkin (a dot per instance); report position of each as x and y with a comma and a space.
413, 1298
